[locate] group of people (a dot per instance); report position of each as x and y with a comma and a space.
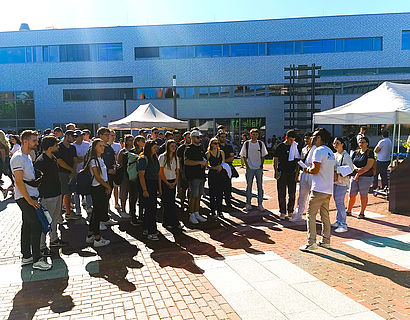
44, 172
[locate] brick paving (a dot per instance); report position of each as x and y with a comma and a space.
136, 279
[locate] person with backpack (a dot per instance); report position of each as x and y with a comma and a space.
100, 193
121, 176
169, 172
134, 181
254, 152
285, 161
151, 187
365, 168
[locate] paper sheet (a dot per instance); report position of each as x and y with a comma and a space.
344, 170
302, 164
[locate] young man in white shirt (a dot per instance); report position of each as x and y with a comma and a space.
322, 189
254, 152
383, 152
26, 197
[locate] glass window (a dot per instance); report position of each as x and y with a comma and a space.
365, 44
180, 93
6, 95
249, 90
29, 55
279, 48
168, 52
25, 109
147, 52
226, 91
339, 45
109, 51
260, 90
7, 110
12, 55
298, 47
203, 92
24, 95
312, 46
37, 54
328, 45
147, 93
226, 50
208, 51
190, 52
377, 44
214, 91
71, 53
25, 124
245, 49
53, 54
405, 40
262, 49
189, 93
238, 92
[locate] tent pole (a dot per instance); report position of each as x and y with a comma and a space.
392, 147
398, 140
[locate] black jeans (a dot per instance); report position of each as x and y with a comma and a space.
149, 222
169, 208
100, 208
30, 231
287, 181
226, 184
381, 168
135, 194
216, 182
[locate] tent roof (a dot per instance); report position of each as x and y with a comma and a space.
387, 104
147, 116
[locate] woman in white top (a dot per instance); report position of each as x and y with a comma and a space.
15, 140
341, 185
169, 172
100, 193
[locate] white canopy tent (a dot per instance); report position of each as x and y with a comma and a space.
147, 116
387, 104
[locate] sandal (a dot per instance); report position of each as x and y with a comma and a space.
360, 216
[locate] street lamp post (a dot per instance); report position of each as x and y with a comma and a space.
125, 105
174, 94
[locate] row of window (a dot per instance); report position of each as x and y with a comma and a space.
363, 71
62, 53
86, 80
323, 88
260, 49
17, 110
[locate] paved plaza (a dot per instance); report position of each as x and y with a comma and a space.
238, 267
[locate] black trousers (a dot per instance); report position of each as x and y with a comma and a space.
30, 231
287, 181
216, 182
135, 194
149, 221
100, 208
169, 208
226, 187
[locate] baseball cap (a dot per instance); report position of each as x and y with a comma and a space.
141, 131
78, 133
196, 133
69, 133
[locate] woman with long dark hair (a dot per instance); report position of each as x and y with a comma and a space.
135, 185
151, 187
100, 193
169, 172
16, 143
4, 161
215, 157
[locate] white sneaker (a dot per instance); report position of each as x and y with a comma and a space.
341, 229
193, 219
90, 239
334, 225
101, 243
42, 265
261, 208
102, 226
247, 208
308, 247
199, 217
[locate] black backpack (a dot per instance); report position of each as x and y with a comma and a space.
85, 179
122, 169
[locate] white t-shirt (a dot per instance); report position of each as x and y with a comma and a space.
170, 174
307, 155
104, 174
116, 147
15, 148
343, 159
21, 161
323, 181
385, 153
254, 153
81, 152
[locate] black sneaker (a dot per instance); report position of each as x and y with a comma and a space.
46, 252
58, 243
134, 222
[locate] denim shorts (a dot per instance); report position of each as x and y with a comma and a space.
362, 186
196, 187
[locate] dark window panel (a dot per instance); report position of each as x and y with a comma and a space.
109, 51
148, 93
168, 52
29, 55
146, 52
405, 40
203, 92
262, 49
339, 45
280, 48
12, 55
365, 44
24, 95
377, 44
312, 46
214, 91
7, 123
238, 92
328, 45
190, 52
189, 93
226, 91
260, 90
249, 90
73, 53
244, 49
83, 80
226, 50
208, 51
7, 110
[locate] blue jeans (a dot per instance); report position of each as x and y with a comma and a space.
339, 193
78, 202
250, 173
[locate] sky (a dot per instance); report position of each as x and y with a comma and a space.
43, 14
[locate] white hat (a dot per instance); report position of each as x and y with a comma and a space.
196, 133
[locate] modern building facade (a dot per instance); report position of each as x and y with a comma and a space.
229, 73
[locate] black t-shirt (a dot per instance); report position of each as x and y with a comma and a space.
282, 153
360, 161
227, 149
162, 148
195, 153
109, 157
180, 154
67, 155
50, 185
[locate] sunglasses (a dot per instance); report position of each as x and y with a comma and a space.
215, 143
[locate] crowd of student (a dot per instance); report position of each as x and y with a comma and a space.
45, 170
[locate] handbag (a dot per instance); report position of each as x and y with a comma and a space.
45, 219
